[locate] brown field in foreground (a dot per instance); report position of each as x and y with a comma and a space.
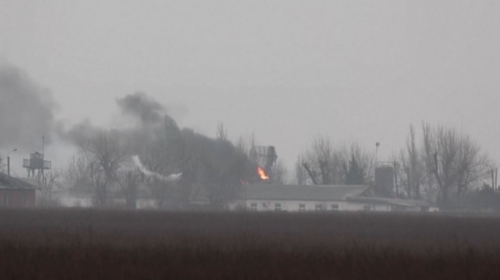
108, 244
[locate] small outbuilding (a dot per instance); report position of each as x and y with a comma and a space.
15, 192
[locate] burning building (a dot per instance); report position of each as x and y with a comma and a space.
264, 157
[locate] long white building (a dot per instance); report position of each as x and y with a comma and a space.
297, 198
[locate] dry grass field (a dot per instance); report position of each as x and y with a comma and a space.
93, 244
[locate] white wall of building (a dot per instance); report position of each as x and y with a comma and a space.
269, 205
87, 202
298, 206
75, 202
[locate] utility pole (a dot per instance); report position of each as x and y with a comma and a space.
495, 187
43, 159
493, 179
8, 161
396, 179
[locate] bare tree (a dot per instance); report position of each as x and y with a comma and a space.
212, 169
47, 184
158, 155
473, 166
411, 171
300, 172
105, 150
187, 188
129, 183
453, 159
163, 156
160, 158
77, 173
161, 190
354, 174
221, 179
246, 144
162, 153
279, 172
241, 145
221, 132
322, 161
327, 164
356, 164
221, 170
190, 148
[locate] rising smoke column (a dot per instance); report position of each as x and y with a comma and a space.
142, 114
141, 107
26, 110
144, 117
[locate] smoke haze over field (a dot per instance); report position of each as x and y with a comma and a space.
26, 110
364, 132
284, 70
140, 115
27, 113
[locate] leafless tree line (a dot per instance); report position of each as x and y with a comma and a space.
327, 164
47, 184
211, 168
442, 166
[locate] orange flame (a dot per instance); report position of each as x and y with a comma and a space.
262, 173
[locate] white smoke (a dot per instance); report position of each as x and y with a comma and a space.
143, 169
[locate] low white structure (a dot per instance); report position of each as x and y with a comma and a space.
396, 205
298, 198
84, 197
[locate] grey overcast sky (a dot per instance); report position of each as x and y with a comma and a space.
284, 70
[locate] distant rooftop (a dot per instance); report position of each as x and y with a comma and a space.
392, 201
301, 192
8, 182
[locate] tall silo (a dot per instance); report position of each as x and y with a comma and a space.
384, 180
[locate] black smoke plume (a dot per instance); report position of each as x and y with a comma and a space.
26, 111
141, 107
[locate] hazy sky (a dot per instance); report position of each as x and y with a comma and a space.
284, 70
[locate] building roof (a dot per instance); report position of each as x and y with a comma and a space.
8, 182
392, 201
301, 192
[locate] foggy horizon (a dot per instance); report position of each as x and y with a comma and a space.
285, 71
278, 139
